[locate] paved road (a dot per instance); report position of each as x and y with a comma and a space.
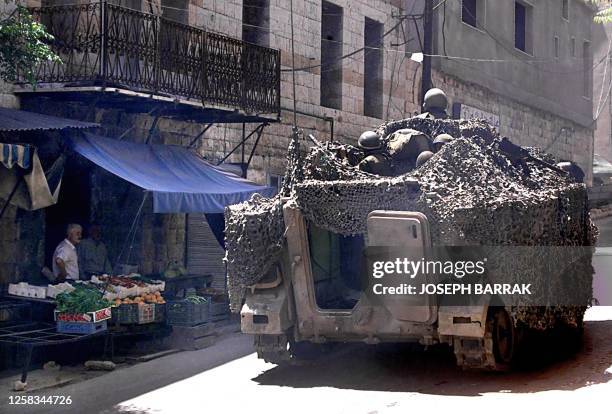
605, 232
228, 378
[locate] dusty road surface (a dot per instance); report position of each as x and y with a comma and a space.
358, 380
228, 378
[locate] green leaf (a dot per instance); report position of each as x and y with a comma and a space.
24, 45
604, 16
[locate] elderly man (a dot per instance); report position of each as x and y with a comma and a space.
65, 259
93, 256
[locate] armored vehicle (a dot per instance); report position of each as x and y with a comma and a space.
294, 261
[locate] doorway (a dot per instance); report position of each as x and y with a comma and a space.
73, 205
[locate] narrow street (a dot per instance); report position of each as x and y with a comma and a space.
351, 379
158, 159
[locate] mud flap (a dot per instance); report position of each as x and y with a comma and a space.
266, 312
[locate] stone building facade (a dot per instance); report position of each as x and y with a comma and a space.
360, 91
602, 34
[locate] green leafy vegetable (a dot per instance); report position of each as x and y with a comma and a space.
196, 299
81, 300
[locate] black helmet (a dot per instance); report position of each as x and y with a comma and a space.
572, 169
369, 140
435, 98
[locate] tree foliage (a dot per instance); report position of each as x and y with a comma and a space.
24, 43
604, 15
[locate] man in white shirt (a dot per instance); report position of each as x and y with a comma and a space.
65, 259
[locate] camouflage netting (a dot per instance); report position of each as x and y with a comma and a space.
472, 192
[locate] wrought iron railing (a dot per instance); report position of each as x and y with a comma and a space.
106, 44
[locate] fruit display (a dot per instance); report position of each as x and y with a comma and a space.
128, 286
142, 299
122, 281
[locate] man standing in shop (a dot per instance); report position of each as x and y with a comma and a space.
93, 256
65, 258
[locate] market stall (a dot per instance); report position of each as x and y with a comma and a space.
124, 302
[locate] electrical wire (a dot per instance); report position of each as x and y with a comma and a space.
599, 104
354, 52
391, 86
348, 55
600, 109
443, 2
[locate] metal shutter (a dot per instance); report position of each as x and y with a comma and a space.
204, 255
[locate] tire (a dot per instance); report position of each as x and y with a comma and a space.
504, 336
284, 350
496, 351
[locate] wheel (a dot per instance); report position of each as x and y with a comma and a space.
283, 349
504, 338
496, 351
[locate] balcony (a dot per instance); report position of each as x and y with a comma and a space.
104, 45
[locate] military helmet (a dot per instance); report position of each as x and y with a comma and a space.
369, 140
376, 164
423, 158
435, 98
440, 140
572, 169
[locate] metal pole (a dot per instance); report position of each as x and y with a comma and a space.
427, 48
259, 134
293, 70
104, 40
153, 126
10, 197
191, 144
244, 170
239, 145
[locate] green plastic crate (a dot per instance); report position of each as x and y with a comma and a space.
186, 313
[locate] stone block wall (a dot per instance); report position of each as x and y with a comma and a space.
160, 239
526, 125
398, 75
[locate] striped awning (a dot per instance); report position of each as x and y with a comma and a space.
23, 182
16, 154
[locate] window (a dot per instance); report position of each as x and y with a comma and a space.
587, 66
331, 52
565, 9
373, 69
473, 12
523, 27
256, 22
556, 47
469, 13
573, 47
175, 10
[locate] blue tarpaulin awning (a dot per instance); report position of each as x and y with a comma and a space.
180, 180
